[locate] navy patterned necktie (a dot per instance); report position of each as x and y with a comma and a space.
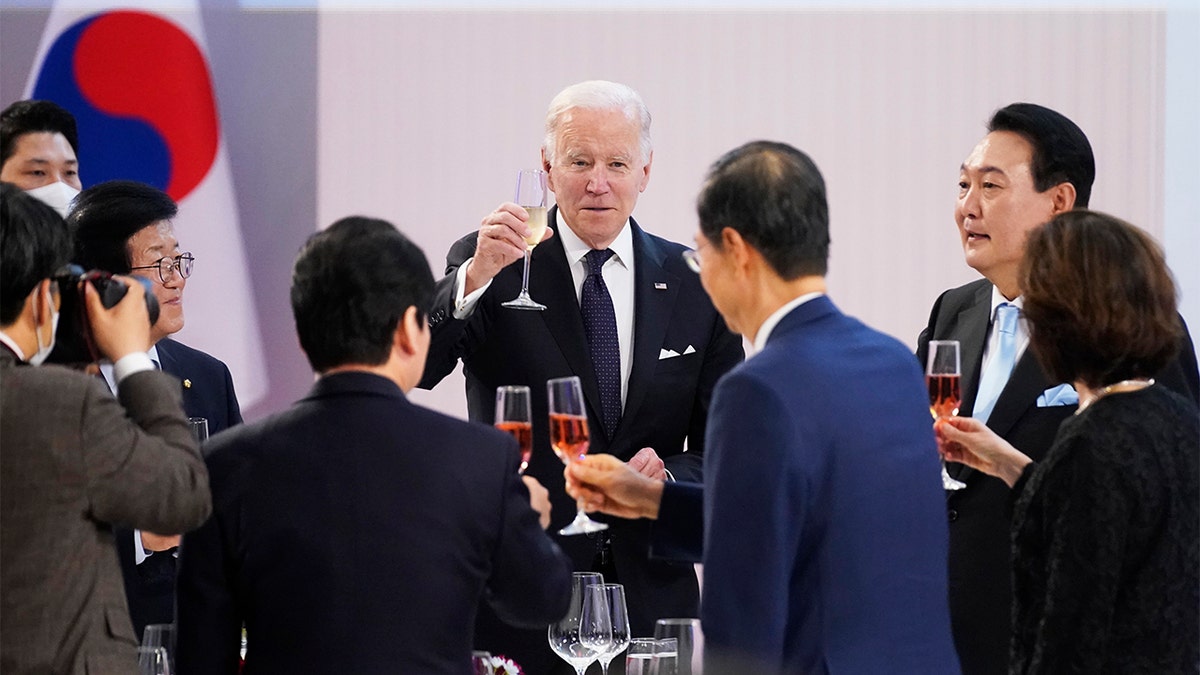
600, 325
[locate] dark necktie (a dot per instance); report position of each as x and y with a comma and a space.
600, 325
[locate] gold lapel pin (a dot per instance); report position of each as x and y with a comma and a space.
187, 384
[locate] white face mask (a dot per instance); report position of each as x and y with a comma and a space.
42, 352
57, 196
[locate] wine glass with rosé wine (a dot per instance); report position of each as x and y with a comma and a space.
569, 438
513, 416
942, 377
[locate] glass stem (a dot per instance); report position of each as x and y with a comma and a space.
525, 274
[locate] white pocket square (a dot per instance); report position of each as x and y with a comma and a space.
1063, 394
690, 350
667, 354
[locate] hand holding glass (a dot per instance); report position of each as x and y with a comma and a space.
569, 438
531, 196
942, 377
513, 416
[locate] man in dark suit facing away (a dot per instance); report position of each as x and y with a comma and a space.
125, 227
623, 313
357, 532
1033, 163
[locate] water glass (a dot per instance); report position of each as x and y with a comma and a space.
639, 659
690, 642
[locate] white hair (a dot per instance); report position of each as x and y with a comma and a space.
598, 95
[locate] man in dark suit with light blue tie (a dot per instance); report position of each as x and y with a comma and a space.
1033, 164
124, 227
357, 532
824, 548
623, 313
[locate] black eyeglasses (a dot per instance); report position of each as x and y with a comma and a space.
181, 263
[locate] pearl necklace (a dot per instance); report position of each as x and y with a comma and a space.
1122, 387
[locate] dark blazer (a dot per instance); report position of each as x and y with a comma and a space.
980, 557
207, 390
825, 550
357, 533
74, 460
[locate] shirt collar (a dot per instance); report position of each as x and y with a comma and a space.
998, 299
106, 367
622, 246
11, 344
764, 331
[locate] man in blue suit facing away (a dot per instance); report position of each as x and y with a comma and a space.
824, 542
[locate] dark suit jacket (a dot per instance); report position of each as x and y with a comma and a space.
207, 389
980, 558
825, 550
666, 403
74, 460
357, 533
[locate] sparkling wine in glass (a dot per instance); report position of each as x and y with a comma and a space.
569, 438
943, 377
531, 196
567, 635
615, 594
513, 416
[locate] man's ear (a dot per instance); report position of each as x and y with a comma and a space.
1062, 197
735, 247
408, 331
39, 297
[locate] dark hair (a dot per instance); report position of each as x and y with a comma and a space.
773, 195
34, 244
351, 285
1061, 152
30, 117
105, 216
1100, 300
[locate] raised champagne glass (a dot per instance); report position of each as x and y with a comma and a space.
569, 438
513, 416
943, 377
531, 196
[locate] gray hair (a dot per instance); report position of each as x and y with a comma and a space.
598, 95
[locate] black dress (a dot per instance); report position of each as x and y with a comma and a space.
1106, 542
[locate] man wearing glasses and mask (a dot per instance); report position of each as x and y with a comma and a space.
124, 227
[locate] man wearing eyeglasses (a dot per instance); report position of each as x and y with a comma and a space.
125, 227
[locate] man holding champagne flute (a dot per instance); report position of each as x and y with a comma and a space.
622, 312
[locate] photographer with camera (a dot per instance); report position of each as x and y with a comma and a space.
74, 461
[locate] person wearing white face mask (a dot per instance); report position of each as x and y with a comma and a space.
76, 460
38, 152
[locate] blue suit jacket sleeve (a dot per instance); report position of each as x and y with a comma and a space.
678, 534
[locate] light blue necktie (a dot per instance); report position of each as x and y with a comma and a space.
1002, 363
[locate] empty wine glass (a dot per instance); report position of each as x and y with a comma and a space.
615, 593
942, 377
513, 416
161, 636
153, 661
569, 438
531, 196
567, 637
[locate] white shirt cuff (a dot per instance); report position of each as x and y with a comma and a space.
463, 306
129, 364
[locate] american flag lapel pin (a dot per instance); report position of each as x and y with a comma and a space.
660, 286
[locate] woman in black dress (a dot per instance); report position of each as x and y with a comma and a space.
1105, 530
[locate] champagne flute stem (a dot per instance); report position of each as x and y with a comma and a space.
525, 274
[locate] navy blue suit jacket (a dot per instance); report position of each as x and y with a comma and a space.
207, 389
825, 539
666, 403
357, 532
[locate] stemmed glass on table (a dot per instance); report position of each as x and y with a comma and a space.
585, 632
514, 417
615, 596
531, 196
942, 377
569, 437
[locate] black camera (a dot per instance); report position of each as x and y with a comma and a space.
73, 342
